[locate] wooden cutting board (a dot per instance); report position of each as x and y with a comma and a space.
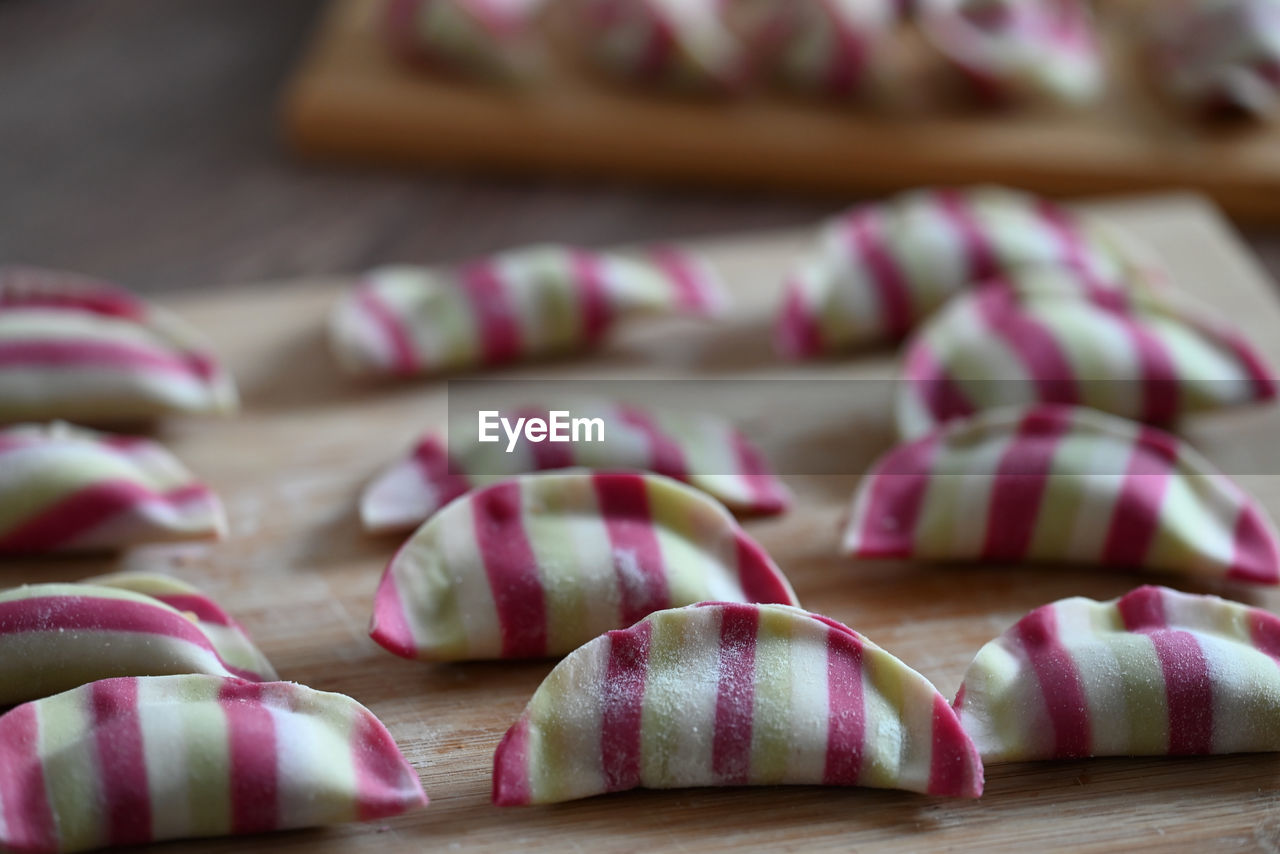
349, 99
299, 572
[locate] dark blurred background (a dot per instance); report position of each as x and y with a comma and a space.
139, 140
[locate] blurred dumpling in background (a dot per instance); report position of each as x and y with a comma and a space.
1217, 56
1020, 50
491, 39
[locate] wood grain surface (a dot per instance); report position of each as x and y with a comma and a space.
298, 571
351, 98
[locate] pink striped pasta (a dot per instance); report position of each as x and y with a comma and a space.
1061, 484
728, 694
520, 304
1034, 50
1218, 56
828, 47
54, 637
74, 347
229, 638
135, 760
537, 565
675, 44
878, 270
701, 450
1153, 673
1146, 356
64, 489
492, 39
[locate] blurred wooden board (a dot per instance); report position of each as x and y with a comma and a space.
299, 572
350, 99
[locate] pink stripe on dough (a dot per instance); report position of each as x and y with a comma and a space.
1073, 253
658, 49
389, 627
848, 59
204, 608
983, 262
1256, 555
623, 696
97, 299
1188, 688
767, 492
1019, 485
846, 720
897, 485
1060, 684
665, 454
891, 286
29, 822
439, 472
1264, 631
62, 524
1160, 392
693, 292
511, 784
252, 748
929, 379
797, 334
637, 556
1136, 516
404, 353
1034, 343
102, 355
385, 784
1255, 367
759, 576
493, 310
512, 569
955, 769
122, 762
593, 295
735, 695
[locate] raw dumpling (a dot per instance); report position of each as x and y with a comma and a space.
54, 637
1061, 484
686, 45
137, 760
537, 301
74, 347
491, 39
723, 694
702, 450
64, 489
1146, 356
537, 565
1035, 50
878, 270
1217, 56
1153, 673
827, 47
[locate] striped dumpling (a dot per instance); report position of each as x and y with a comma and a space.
64, 489
1147, 356
724, 694
828, 47
675, 44
54, 637
537, 565
493, 39
74, 347
524, 303
1061, 484
878, 270
134, 760
702, 450
232, 643
1035, 50
1217, 56
1153, 673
